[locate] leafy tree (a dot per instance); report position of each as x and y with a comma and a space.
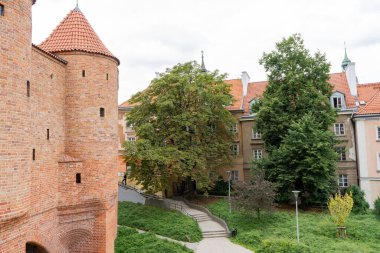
183, 128
377, 207
258, 194
360, 204
294, 117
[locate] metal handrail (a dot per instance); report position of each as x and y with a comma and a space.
146, 195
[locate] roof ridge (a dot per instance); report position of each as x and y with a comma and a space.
369, 84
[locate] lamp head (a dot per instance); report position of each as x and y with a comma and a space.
296, 193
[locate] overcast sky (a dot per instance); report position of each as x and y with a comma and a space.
150, 35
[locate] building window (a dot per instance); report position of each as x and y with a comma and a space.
34, 154
131, 139
234, 129
257, 154
343, 180
27, 88
83, 73
1, 10
341, 153
47, 134
234, 174
234, 149
78, 178
51, 76
102, 112
337, 102
107, 76
378, 162
378, 133
256, 134
339, 129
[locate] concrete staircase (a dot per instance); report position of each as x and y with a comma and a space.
209, 228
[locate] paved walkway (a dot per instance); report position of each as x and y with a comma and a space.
215, 236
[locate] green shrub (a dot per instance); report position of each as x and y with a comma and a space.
360, 204
130, 241
220, 188
159, 221
377, 207
282, 246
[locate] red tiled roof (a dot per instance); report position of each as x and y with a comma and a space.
256, 90
75, 33
370, 94
236, 92
127, 104
340, 84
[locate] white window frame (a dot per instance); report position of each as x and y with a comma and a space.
234, 151
235, 175
337, 102
378, 162
341, 154
339, 129
255, 134
257, 154
234, 129
343, 180
131, 139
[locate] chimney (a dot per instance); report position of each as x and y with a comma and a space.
245, 80
351, 78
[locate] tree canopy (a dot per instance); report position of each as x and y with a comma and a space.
294, 117
183, 127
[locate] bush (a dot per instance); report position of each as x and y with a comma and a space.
220, 188
282, 246
360, 204
130, 241
377, 207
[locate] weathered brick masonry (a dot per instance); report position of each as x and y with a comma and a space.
58, 154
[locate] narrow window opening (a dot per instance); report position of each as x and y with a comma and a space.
78, 178
27, 88
48, 134
51, 76
1, 10
102, 112
83, 73
107, 76
34, 154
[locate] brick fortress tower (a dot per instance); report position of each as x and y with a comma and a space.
58, 136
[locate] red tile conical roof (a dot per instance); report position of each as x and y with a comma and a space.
75, 33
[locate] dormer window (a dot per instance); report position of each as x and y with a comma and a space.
337, 100
252, 103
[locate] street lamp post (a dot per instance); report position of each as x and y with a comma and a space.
296, 196
229, 189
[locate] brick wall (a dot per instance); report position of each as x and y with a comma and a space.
40, 200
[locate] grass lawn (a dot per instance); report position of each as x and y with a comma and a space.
168, 223
316, 229
130, 241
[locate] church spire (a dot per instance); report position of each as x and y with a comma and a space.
203, 67
345, 61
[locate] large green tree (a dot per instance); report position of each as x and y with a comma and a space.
295, 117
183, 128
